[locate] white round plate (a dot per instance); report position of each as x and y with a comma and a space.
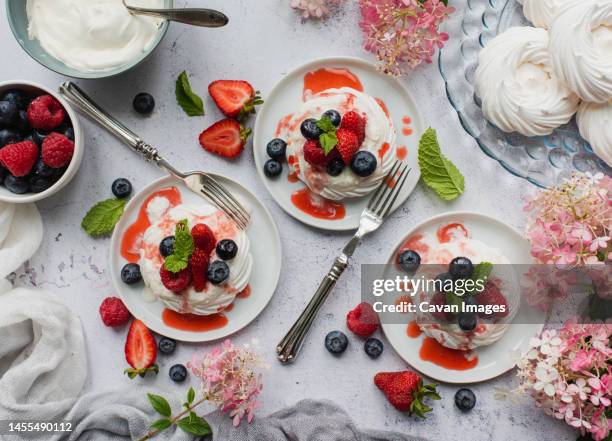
493, 360
265, 248
286, 97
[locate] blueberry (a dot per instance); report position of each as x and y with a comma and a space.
178, 373
130, 274
3, 174
373, 347
442, 281
166, 345
470, 300
409, 261
335, 167
23, 125
336, 342
43, 170
122, 188
227, 249
272, 168
166, 247
144, 103
363, 163
465, 399
218, 272
37, 137
461, 268
467, 321
69, 133
16, 185
309, 129
17, 97
8, 136
335, 117
276, 149
38, 184
9, 113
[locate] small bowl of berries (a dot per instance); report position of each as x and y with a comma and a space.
41, 142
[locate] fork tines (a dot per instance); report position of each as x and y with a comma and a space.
386, 194
221, 197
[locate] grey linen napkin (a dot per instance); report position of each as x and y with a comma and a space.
125, 415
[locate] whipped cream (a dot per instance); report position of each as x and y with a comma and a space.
214, 298
581, 48
542, 12
517, 86
92, 35
379, 140
487, 332
595, 125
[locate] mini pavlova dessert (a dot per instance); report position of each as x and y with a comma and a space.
340, 143
473, 301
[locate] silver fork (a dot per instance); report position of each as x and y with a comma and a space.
372, 217
197, 181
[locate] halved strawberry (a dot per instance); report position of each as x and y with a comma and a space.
140, 350
226, 138
347, 145
236, 99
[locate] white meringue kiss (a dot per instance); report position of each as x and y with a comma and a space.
379, 131
595, 125
518, 89
581, 48
542, 12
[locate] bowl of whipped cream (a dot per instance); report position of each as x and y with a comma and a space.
86, 39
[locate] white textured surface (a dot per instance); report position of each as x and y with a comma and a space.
264, 40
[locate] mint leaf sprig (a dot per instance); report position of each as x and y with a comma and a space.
186, 420
191, 103
439, 173
328, 138
101, 219
183, 248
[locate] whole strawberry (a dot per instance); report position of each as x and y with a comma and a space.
492, 295
355, 123
405, 391
113, 312
362, 320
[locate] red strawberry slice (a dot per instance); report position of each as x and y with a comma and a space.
199, 267
204, 238
140, 350
492, 295
225, 138
353, 122
347, 145
236, 99
405, 391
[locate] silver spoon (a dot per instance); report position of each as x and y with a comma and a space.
208, 18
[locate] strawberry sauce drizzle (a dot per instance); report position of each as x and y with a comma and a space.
413, 330
317, 206
193, 322
402, 152
329, 78
447, 358
452, 231
132, 238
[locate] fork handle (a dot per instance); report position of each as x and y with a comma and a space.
89, 107
290, 345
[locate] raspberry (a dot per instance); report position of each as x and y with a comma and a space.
362, 320
57, 150
19, 158
204, 238
175, 282
492, 296
314, 155
439, 299
347, 144
113, 312
45, 113
353, 122
199, 267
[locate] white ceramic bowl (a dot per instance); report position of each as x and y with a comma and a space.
35, 88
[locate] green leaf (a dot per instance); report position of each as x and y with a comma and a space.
326, 125
190, 395
190, 102
482, 271
183, 248
162, 424
328, 142
437, 171
160, 404
101, 219
196, 426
